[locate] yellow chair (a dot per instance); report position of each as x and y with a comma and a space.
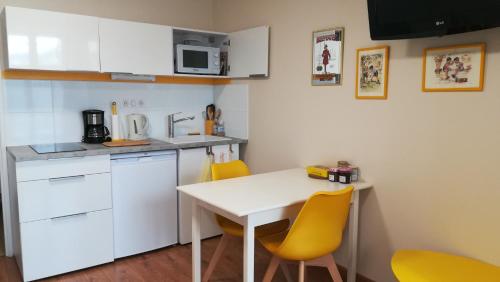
315, 234
230, 228
428, 266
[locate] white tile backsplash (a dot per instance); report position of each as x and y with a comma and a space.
29, 128
25, 96
50, 111
233, 101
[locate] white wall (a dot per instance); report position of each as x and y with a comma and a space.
50, 111
433, 157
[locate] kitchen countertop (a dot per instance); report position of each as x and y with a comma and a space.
25, 153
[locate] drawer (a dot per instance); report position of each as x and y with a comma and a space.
54, 168
44, 199
55, 246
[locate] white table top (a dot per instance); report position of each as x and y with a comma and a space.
260, 192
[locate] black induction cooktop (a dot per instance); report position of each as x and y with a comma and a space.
57, 148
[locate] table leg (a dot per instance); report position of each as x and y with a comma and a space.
196, 241
353, 238
248, 251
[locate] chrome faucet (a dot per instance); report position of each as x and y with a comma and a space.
172, 122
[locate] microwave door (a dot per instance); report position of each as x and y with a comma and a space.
197, 59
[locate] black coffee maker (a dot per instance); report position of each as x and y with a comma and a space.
94, 131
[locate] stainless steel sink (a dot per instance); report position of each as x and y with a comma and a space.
194, 139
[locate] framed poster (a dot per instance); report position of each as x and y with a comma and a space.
372, 68
454, 68
327, 56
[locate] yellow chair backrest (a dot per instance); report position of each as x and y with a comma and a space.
317, 231
230, 169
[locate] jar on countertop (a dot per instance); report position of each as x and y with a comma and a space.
345, 174
333, 174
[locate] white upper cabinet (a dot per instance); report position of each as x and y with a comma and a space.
44, 40
248, 53
137, 48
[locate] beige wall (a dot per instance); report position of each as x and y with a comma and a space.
432, 157
183, 13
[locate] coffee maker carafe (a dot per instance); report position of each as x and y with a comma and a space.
94, 131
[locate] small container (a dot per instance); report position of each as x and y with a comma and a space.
220, 129
345, 174
333, 174
343, 164
355, 174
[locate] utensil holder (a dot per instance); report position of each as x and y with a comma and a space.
209, 127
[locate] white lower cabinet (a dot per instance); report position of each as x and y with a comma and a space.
62, 210
66, 243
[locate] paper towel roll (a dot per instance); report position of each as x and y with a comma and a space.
115, 128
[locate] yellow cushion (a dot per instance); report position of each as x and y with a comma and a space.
232, 228
428, 266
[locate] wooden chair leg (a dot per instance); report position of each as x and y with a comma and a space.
286, 271
216, 257
302, 271
332, 268
271, 269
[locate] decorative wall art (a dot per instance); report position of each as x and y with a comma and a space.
327, 56
454, 68
372, 72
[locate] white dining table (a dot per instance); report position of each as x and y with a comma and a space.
260, 199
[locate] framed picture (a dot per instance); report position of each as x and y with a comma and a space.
454, 68
327, 58
372, 68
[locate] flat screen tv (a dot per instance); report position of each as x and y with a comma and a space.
398, 19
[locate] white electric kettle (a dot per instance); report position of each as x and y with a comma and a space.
138, 125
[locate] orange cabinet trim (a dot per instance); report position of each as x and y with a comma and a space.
106, 77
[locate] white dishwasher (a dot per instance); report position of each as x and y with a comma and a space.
144, 201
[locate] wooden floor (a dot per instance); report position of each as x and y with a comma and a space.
170, 264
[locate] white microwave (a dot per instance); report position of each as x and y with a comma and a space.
197, 59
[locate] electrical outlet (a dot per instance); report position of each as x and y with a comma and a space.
141, 103
125, 103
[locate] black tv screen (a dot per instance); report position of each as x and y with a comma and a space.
398, 19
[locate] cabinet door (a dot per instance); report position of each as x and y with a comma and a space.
44, 40
248, 53
191, 165
137, 48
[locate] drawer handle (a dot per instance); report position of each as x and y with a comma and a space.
66, 158
69, 216
257, 75
67, 178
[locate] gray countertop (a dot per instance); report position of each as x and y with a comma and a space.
25, 153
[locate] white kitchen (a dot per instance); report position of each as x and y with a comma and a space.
102, 119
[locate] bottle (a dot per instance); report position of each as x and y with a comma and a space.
220, 129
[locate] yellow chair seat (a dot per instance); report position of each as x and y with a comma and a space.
232, 228
273, 242
428, 266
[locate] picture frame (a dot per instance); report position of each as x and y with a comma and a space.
454, 68
327, 57
372, 72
